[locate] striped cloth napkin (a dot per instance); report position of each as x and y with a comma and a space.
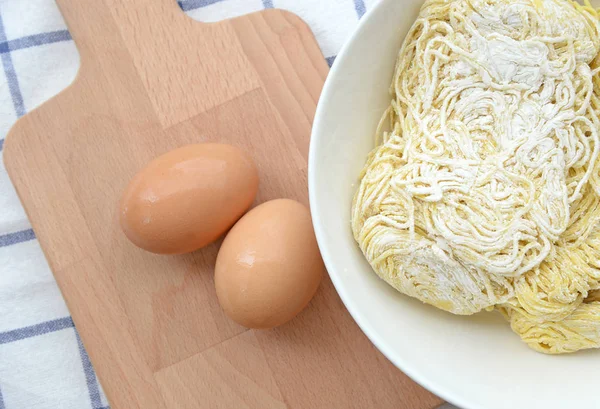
43, 364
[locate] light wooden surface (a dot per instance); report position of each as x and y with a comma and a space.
151, 80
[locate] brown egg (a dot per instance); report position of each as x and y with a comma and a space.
188, 197
269, 265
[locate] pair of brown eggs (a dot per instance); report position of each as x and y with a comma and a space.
268, 267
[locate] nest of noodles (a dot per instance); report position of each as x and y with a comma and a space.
484, 189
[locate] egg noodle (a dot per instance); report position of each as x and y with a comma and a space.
484, 189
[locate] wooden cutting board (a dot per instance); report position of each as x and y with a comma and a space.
151, 80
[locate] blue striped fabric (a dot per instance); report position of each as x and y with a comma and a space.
17, 103
359, 6
34, 40
36, 330
90, 376
16, 237
11, 75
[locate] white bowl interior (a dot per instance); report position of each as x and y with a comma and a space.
474, 362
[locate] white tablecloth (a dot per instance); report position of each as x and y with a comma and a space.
43, 364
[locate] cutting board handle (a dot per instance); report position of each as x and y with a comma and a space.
185, 66
138, 22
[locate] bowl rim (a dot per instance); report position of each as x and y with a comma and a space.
384, 347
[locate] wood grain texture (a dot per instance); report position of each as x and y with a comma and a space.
151, 80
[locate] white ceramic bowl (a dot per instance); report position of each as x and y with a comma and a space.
474, 362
